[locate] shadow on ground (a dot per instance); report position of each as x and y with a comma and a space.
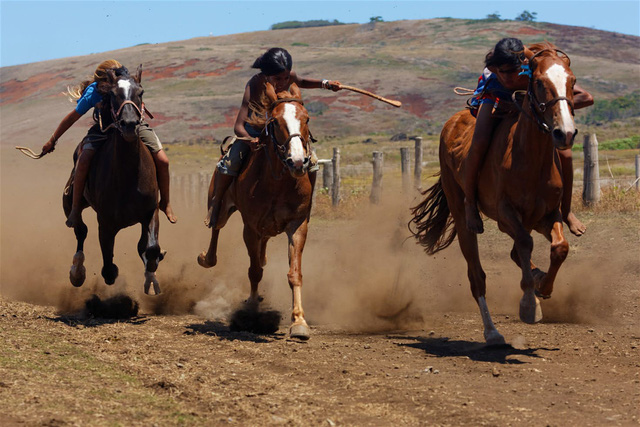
479, 352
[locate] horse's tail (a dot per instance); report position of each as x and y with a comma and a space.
432, 220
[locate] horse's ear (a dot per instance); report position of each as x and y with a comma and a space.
139, 74
270, 92
295, 91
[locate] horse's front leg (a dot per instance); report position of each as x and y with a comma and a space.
297, 238
209, 258
107, 236
510, 222
554, 232
78, 273
254, 244
149, 251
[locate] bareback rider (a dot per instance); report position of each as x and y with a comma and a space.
275, 67
502, 76
88, 97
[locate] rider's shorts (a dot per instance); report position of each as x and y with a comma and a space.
95, 138
232, 161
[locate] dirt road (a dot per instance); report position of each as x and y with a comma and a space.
177, 363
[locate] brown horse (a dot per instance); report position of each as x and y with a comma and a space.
273, 194
519, 185
121, 185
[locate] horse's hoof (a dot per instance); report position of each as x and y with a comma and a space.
300, 331
494, 338
110, 273
77, 273
202, 260
530, 310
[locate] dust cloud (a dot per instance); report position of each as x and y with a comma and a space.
360, 275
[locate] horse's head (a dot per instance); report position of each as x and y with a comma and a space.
551, 92
124, 99
288, 127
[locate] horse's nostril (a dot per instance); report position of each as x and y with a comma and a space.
558, 134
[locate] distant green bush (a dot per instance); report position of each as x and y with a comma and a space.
630, 143
299, 44
618, 108
305, 24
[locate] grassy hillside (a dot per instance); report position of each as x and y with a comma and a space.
194, 86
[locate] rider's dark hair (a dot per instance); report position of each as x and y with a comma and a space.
508, 51
274, 61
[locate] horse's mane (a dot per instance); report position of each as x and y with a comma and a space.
258, 118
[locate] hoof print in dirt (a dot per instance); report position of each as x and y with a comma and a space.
117, 307
254, 320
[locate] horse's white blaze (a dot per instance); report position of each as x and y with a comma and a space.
293, 125
126, 86
558, 76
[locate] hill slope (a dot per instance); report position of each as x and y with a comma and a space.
194, 86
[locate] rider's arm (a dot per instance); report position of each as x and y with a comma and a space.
314, 83
581, 98
243, 114
64, 125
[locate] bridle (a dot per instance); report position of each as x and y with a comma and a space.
281, 149
538, 108
115, 115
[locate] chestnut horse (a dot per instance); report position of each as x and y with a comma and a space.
519, 185
273, 194
121, 184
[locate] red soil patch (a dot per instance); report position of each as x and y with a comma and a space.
232, 66
160, 119
415, 104
168, 72
172, 71
14, 90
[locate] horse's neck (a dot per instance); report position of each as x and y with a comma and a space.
534, 146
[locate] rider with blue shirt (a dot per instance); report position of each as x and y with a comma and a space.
89, 97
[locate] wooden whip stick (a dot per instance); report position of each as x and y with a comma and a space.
373, 95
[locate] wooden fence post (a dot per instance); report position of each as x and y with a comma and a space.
327, 174
376, 186
417, 170
637, 172
404, 164
591, 188
335, 189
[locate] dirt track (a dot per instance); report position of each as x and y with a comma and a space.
178, 363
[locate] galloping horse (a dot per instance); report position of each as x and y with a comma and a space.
121, 185
273, 194
519, 185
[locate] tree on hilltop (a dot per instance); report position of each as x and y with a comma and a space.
527, 16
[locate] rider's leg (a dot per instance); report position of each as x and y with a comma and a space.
226, 170
164, 181
485, 123
79, 179
151, 140
575, 225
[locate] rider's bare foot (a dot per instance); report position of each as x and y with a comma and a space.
472, 217
166, 208
74, 218
575, 225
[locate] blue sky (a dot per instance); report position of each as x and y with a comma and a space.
34, 31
